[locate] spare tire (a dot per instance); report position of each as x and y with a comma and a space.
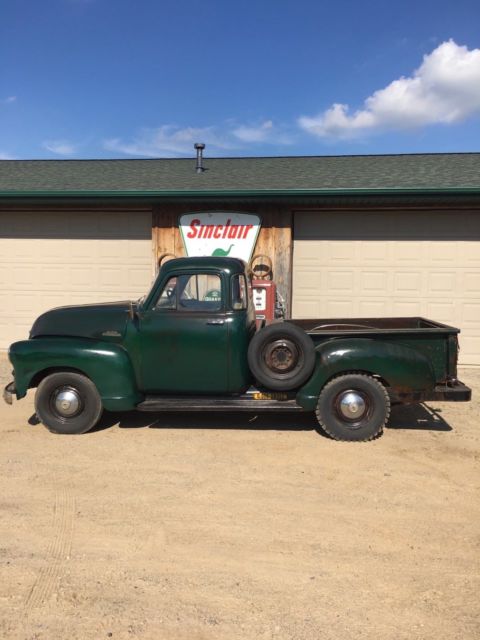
281, 356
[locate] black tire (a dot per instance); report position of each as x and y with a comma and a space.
363, 398
68, 403
281, 356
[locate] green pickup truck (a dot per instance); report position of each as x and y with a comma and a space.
192, 344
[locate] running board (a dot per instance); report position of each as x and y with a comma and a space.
246, 402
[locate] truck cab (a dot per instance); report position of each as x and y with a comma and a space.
191, 333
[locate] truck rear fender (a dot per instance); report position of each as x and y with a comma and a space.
106, 364
402, 369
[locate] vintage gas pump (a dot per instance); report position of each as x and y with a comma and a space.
162, 259
266, 299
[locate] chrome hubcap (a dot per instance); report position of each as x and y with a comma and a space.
352, 405
67, 402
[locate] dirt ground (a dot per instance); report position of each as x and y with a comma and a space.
235, 527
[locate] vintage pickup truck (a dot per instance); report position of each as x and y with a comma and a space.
192, 344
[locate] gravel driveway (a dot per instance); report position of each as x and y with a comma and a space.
213, 527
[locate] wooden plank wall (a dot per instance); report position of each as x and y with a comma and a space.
275, 238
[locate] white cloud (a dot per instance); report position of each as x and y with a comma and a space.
60, 147
444, 89
166, 141
254, 134
6, 156
8, 100
171, 141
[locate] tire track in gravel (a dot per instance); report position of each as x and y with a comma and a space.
58, 551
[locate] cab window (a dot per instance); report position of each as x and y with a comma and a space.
168, 297
239, 292
192, 292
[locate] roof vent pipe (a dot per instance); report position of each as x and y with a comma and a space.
199, 146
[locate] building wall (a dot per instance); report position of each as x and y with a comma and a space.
41, 243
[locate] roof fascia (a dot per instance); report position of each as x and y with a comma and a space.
258, 193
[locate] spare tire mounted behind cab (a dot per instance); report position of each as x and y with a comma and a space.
281, 356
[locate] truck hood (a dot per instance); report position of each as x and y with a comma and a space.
100, 321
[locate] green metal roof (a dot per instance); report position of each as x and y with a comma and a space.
451, 172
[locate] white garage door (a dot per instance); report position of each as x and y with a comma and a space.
357, 264
60, 258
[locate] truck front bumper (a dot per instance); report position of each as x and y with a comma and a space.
456, 392
9, 392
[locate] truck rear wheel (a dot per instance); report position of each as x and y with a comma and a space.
281, 356
68, 403
353, 407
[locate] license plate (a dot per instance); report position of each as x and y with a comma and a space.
269, 396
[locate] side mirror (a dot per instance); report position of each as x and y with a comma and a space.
134, 314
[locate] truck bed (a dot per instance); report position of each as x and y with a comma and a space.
436, 341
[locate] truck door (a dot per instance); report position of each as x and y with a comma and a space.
184, 337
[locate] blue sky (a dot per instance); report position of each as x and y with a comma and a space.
146, 78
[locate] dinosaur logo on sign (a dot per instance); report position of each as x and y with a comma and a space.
221, 252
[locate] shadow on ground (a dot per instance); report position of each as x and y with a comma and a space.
418, 417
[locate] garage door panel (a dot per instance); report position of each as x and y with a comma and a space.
443, 253
23, 303
308, 278
470, 254
134, 251
469, 344
373, 281
399, 307
51, 259
443, 311
406, 253
470, 312
139, 279
442, 282
349, 264
81, 277
333, 308
13, 328
371, 308
340, 280
374, 253
83, 249
471, 282
407, 282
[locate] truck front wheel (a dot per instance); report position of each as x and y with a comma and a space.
353, 407
68, 403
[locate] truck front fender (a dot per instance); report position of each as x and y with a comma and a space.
403, 369
106, 364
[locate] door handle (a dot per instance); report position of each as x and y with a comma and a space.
215, 321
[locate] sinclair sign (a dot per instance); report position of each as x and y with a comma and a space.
219, 233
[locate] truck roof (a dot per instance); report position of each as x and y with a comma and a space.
232, 265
